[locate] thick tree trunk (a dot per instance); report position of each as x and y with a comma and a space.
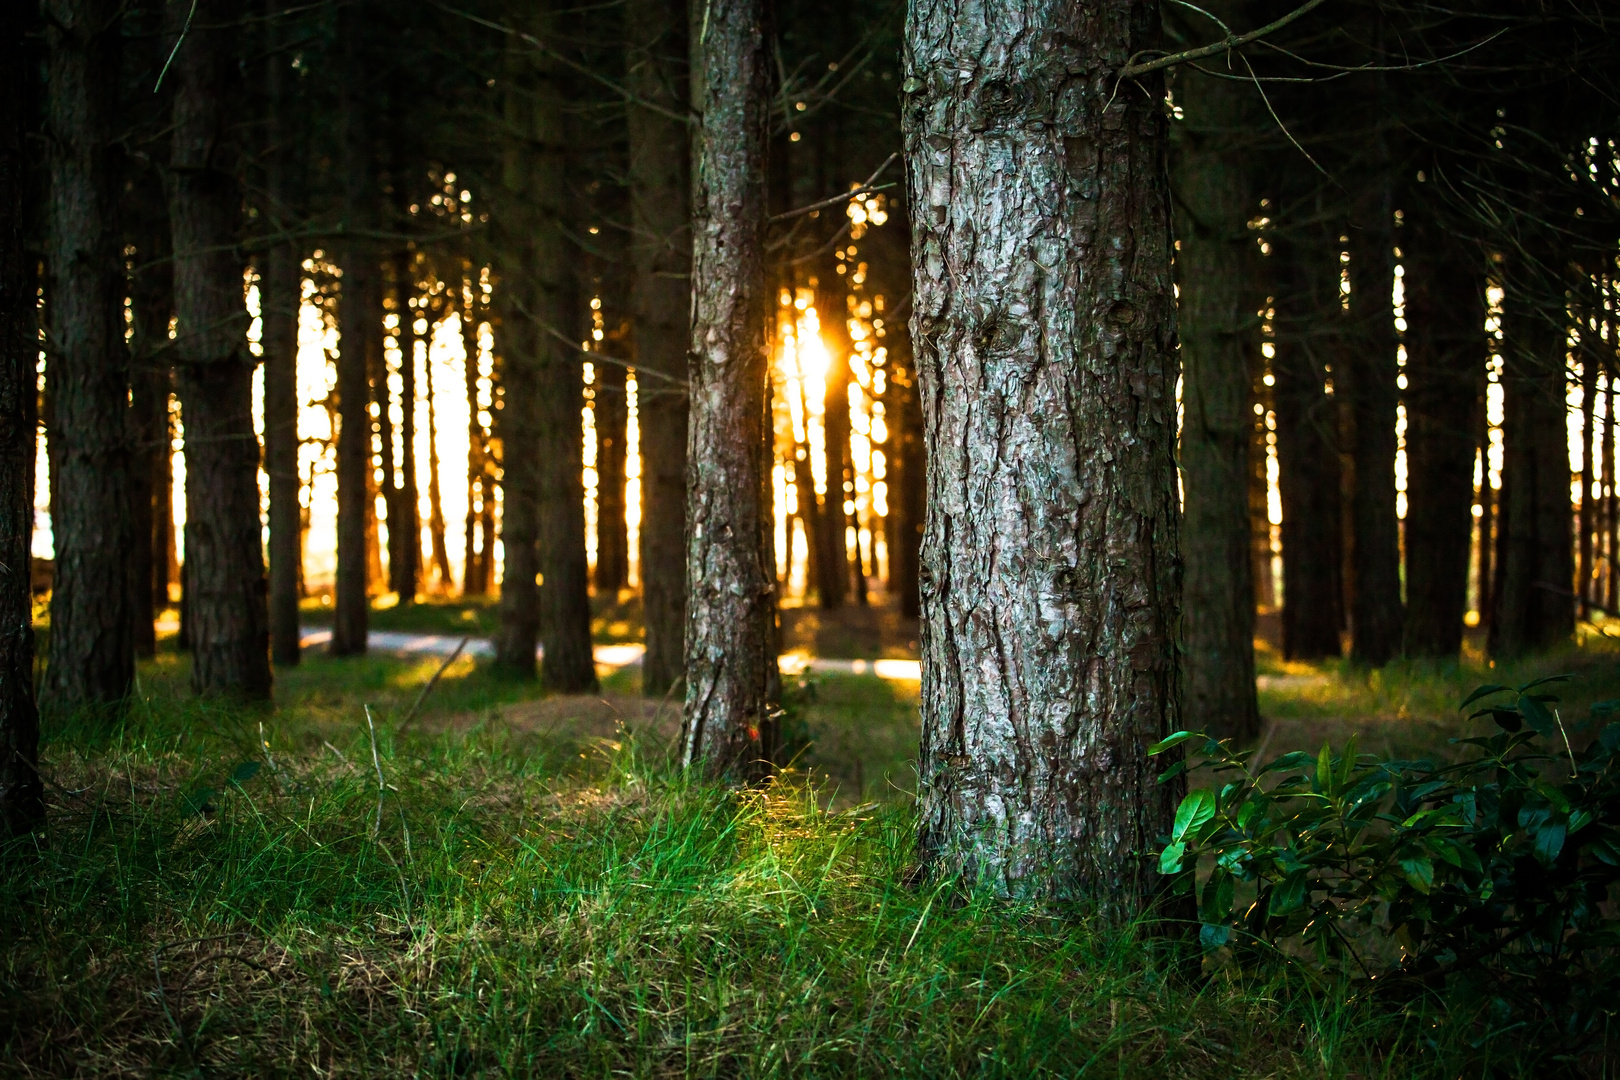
358, 306
732, 582
1219, 342
660, 300
280, 293
1445, 356
92, 648
1369, 381
21, 791
438, 543
1306, 297
225, 583
1044, 331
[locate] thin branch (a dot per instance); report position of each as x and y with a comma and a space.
864, 188
1232, 42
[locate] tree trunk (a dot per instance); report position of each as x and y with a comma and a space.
405, 532
732, 582
612, 539
358, 305
1445, 356
21, 791
1534, 606
1219, 342
910, 483
151, 306
474, 578
280, 294
1045, 339
1369, 381
1306, 298
225, 582
440, 550
832, 566
660, 299
92, 649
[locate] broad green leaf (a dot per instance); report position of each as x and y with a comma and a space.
1197, 808
1543, 681
1550, 841
1216, 906
1289, 896
1173, 740
1324, 769
1484, 691
1213, 937
1508, 720
244, 772
1295, 759
1170, 858
1538, 716
1173, 771
1420, 872
200, 801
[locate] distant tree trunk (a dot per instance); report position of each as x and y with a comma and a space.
660, 299
1045, 336
1303, 274
1489, 503
405, 533
382, 398
1445, 354
225, 582
1534, 607
358, 305
436, 523
833, 564
280, 294
151, 306
21, 790
92, 648
1369, 381
1611, 581
1219, 343
474, 577
732, 585
612, 538
909, 483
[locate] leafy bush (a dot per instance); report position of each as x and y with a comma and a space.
1491, 876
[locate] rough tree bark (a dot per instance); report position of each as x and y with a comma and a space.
1305, 283
1044, 329
225, 583
1445, 356
660, 299
732, 582
92, 647
1219, 341
279, 297
21, 791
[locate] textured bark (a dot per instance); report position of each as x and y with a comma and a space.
1368, 380
1044, 329
358, 305
92, 647
21, 791
731, 580
225, 583
280, 293
1305, 284
660, 300
1219, 341
151, 306
1445, 361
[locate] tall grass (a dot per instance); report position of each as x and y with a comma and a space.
537, 905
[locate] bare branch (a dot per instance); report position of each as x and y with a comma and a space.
1232, 41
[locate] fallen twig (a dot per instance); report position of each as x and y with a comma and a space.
431, 683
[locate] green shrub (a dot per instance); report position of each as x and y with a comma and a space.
1489, 878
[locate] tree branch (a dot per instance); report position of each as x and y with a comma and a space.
1232, 41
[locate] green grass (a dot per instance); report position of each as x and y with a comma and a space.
615, 619
543, 894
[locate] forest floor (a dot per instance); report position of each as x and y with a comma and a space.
523, 884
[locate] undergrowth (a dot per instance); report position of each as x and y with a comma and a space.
207, 902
